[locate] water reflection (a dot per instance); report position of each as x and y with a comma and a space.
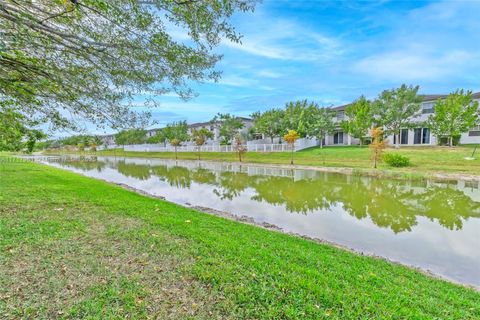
393, 204
428, 224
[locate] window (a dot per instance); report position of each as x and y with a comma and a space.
425, 135
427, 107
474, 132
338, 137
403, 137
340, 115
421, 136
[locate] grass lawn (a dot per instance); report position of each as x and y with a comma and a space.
424, 160
74, 247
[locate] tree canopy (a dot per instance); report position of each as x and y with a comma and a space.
14, 134
360, 115
454, 115
132, 136
270, 123
395, 108
61, 61
321, 123
229, 126
298, 116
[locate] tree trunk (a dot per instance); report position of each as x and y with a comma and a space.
240, 156
176, 157
271, 139
397, 143
291, 159
321, 143
450, 141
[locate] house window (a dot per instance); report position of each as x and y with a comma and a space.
427, 107
426, 136
403, 137
340, 115
474, 132
421, 136
338, 137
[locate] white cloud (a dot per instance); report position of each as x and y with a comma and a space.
269, 74
237, 81
286, 40
409, 65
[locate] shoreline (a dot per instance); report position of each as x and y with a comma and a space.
377, 173
272, 227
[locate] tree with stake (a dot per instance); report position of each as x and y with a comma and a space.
200, 137
290, 138
239, 146
378, 145
395, 108
454, 115
176, 133
360, 116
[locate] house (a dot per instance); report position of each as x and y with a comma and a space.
412, 137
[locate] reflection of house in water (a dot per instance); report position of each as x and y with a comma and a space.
388, 203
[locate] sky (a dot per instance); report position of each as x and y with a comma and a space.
332, 52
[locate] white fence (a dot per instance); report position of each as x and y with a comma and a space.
252, 146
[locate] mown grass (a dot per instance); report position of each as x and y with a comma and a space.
74, 247
424, 160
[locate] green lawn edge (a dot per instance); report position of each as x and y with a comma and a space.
236, 270
426, 162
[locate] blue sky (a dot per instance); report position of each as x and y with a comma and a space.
333, 52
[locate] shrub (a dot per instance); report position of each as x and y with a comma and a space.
396, 160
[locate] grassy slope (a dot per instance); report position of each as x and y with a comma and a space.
423, 159
75, 247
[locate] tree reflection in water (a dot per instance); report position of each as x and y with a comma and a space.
393, 204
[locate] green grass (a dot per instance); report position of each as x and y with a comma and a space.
74, 247
424, 160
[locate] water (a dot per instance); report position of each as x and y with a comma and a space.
431, 225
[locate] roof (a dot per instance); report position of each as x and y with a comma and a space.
426, 97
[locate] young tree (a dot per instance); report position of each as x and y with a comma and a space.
298, 116
90, 58
454, 115
239, 146
270, 123
360, 116
200, 137
395, 108
229, 126
321, 123
378, 145
176, 133
290, 138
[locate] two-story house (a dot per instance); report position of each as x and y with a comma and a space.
412, 137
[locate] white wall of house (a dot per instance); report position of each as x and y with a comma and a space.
471, 137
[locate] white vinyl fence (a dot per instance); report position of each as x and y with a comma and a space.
251, 146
